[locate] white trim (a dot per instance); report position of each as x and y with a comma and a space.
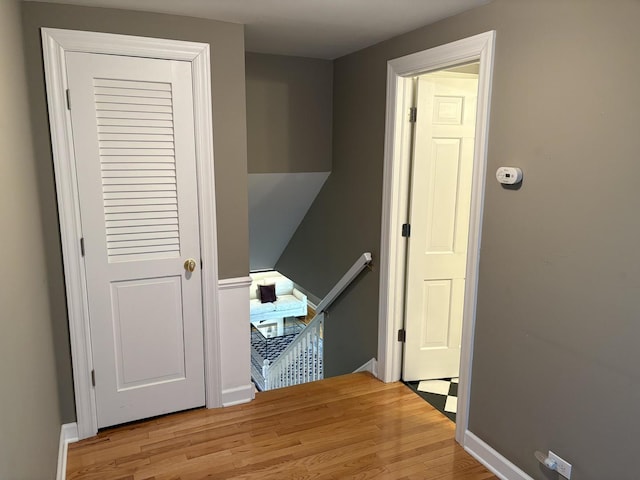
68, 434
238, 395
235, 352
233, 283
395, 201
490, 458
55, 44
371, 366
394, 204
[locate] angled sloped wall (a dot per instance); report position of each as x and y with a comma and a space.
277, 204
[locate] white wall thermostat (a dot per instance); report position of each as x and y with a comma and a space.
509, 175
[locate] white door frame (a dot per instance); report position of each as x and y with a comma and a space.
395, 201
56, 43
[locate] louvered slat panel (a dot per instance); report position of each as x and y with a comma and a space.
121, 107
139, 188
131, 159
131, 100
102, 115
138, 166
139, 222
123, 237
137, 158
119, 122
132, 84
109, 202
147, 130
132, 173
132, 92
146, 250
140, 208
138, 215
136, 136
129, 182
137, 144
115, 230
116, 152
142, 243
133, 195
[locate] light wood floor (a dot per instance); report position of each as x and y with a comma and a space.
349, 427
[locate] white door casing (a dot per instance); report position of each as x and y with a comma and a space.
132, 122
400, 72
56, 44
439, 218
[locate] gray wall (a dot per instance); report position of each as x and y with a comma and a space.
288, 113
29, 414
229, 134
555, 360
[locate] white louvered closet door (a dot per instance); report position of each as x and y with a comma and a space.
133, 135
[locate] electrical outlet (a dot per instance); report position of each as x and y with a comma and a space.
563, 467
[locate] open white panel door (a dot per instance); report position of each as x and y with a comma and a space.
133, 133
439, 217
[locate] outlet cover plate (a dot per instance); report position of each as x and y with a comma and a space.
564, 467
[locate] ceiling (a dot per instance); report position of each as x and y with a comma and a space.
308, 28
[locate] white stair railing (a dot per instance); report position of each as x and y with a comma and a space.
300, 362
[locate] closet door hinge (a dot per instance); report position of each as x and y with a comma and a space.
82, 246
402, 335
68, 100
413, 114
93, 378
406, 230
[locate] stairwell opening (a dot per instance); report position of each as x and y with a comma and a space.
287, 332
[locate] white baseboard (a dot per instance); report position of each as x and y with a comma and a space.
371, 366
68, 434
238, 395
491, 459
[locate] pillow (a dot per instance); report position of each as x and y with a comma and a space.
267, 293
283, 285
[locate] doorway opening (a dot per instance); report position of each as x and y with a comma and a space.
443, 121
397, 174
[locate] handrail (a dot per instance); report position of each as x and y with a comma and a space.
344, 282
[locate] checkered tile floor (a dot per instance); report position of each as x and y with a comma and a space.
441, 394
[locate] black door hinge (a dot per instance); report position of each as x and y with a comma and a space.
413, 114
93, 378
68, 100
82, 246
402, 335
406, 229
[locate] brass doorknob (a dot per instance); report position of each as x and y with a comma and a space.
190, 265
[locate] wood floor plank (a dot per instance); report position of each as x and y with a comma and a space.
351, 426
